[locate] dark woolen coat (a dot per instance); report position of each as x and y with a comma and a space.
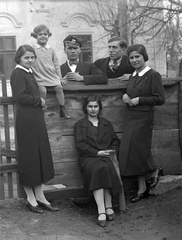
34, 154
91, 74
124, 68
135, 157
98, 172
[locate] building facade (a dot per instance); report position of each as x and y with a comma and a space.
19, 17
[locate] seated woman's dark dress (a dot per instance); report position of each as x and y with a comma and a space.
98, 172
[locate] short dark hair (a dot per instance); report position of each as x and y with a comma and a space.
91, 98
122, 42
21, 51
140, 49
40, 28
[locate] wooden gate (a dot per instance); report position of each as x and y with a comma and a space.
9, 186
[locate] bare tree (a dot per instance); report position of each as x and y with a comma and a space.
146, 19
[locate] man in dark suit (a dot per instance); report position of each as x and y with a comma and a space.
74, 69
117, 64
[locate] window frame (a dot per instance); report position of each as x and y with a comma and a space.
6, 51
86, 48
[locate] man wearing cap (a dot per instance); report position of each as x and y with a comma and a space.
117, 64
74, 69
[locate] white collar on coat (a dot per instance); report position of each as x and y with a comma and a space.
25, 69
146, 69
47, 46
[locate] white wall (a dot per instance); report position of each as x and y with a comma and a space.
19, 18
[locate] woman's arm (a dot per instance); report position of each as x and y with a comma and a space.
18, 86
156, 94
157, 91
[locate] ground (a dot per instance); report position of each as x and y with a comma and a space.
154, 218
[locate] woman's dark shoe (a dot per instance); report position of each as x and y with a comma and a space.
111, 216
48, 207
140, 196
154, 180
35, 209
102, 223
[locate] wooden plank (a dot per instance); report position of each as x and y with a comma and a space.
11, 167
6, 100
166, 117
7, 136
171, 94
67, 155
2, 191
4, 85
66, 173
10, 185
113, 85
166, 151
70, 192
58, 141
8, 153
180, 116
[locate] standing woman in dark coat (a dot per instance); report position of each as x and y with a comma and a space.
34, 154
144, 90
95, 138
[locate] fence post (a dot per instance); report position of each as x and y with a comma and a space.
180, 116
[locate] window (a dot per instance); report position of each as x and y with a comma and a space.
86, 54
7, 53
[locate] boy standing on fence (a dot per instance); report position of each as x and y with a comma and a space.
46, 68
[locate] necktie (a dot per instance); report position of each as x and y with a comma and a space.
114, 64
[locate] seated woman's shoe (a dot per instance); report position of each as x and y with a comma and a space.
102, 223
111, 216
48, 207
154, 180
35, 209
140, 196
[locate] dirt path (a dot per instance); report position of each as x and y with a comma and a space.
155, 218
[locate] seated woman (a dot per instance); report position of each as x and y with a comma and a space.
95, 138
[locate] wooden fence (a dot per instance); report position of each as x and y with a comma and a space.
9, 186
68, 182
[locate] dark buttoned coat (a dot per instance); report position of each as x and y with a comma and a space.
124, 67
34, 154
88, 147
135, 157
91, 74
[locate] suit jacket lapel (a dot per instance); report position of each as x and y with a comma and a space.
102, 129
79, 67
65, 69
106, 64
86, 126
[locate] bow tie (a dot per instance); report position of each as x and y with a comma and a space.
73, 63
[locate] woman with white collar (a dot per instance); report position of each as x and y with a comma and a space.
144, 91
34, 153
